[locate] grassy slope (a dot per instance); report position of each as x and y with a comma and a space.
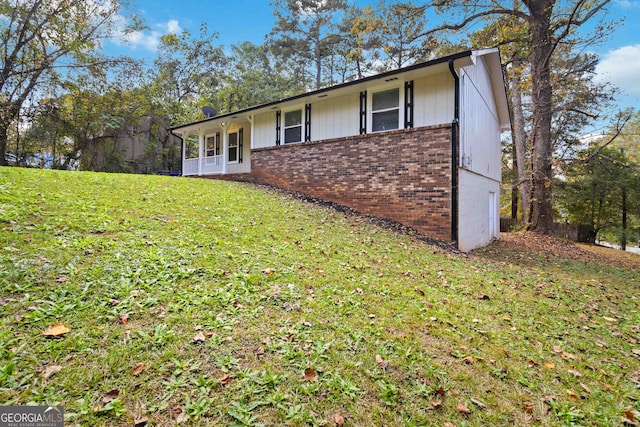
397, 332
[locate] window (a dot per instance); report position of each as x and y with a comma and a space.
233, 147
385, 111
293, 126
212, 145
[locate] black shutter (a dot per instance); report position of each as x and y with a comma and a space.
363, 112
307, 122
240, 144
278, 119
217, 143
408, 104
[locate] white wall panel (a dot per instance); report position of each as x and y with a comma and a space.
480, 149
434, 100
264, 130
475, 221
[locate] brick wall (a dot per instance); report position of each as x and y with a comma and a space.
403, 175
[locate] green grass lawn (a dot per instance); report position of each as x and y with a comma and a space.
213, 303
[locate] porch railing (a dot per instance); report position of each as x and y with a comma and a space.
210, 165
190, 167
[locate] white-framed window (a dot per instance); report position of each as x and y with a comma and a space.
212, 145
293, 126
233, 147
385, 109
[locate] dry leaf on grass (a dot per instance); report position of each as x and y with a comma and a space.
51, 371
56, 330
381, 362
310, 374
138, 368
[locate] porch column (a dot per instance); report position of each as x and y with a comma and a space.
251, 133
200, 150
225, 145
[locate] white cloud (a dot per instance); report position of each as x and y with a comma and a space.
621, 67
149, 39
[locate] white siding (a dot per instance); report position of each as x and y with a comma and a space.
264, 130
335, 117
434, 100
480, 149
475, 221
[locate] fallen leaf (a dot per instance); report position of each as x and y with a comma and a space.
448, 424
110, 395
528, 407
338, 419
268, 271
381, 362
436, 404
550, 365
585, 388
630, 415
199, 337
567, 356
440, 391
140, 421
123, 318
310, 374
259, 351
51, 371
468, 360
138, 368
182, 417
62, 279
572, 395
574, 373
463, 409
56, 330
224, 379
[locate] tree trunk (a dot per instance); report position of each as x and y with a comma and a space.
519, 136
3, 145
541, 214
623, 238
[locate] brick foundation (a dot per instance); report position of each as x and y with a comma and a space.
403, 175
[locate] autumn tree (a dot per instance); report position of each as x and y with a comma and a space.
39, 39
549, 23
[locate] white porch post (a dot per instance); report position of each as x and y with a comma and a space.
251, 133
225, 144
200, 150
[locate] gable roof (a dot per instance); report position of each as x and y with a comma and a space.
461, 59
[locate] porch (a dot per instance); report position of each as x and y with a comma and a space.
212, 148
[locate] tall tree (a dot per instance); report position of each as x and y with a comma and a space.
401, 34
549, 23
305, 31
35, 36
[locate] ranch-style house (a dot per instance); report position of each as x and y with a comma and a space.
419, 145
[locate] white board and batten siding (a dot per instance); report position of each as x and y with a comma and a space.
480, 152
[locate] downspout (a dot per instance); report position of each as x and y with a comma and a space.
455, 146
181, 150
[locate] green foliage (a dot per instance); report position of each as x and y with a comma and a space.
204, 302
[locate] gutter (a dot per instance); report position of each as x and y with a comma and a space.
455, 148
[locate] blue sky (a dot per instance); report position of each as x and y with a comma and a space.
250, 20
